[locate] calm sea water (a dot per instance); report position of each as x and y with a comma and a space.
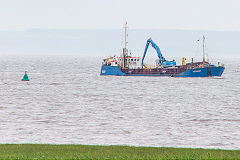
68, 102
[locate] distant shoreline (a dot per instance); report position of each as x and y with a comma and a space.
110, 41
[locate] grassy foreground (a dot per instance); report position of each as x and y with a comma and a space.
42, 151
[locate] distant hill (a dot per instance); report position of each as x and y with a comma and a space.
110, 41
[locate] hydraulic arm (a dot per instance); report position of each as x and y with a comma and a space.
162, 61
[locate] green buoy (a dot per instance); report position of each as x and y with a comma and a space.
25, 77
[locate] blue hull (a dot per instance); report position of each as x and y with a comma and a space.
111, 70
203, 72
197, 72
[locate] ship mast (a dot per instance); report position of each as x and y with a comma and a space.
125, 47
203, 50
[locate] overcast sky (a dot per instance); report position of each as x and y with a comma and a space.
140, 14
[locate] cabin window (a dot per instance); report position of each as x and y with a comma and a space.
131, 59
135, 59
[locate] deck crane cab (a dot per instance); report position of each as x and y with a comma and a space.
161, 61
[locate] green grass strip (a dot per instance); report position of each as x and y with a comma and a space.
44, 151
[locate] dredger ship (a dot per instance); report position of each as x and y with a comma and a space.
126, 65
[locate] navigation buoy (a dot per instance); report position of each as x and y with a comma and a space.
25, 77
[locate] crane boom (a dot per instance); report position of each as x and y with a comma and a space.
162, 60
154, 45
